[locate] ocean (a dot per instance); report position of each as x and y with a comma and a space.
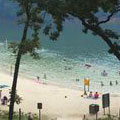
62, 65
63, 61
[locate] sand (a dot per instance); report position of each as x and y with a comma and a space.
55, 104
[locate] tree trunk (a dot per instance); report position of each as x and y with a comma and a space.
16, 71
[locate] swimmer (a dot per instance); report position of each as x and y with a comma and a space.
104, 73
116, 82
87, 65
111, 83
77, 80
102, 84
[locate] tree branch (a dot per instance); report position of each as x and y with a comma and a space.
100, 32
108, 18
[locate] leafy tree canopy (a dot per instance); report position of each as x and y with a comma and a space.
87, 12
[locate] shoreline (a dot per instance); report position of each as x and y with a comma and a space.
74, 86
53, 98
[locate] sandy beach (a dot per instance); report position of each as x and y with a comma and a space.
55, 104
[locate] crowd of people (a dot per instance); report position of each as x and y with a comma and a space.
91, 95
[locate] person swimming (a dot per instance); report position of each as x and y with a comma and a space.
111, 83
77, 79
87, 65
104, 73
116, 82
102, 83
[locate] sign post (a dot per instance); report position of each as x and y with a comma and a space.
39, 106
19, 114
106, 102
86, 83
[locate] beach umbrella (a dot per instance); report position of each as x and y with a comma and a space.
4, 86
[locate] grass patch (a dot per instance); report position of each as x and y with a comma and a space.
108, 117
4, 116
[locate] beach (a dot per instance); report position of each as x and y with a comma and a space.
85, 47
58, 102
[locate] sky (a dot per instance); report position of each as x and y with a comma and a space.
10, 29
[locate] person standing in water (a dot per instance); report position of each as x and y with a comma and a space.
116, 82
111, 83
102, 83
104, 73
45, 77
38, 79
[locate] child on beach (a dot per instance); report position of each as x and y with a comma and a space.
38, 79
96, 95
90, 95
4, 101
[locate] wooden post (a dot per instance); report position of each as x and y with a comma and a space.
39, 114
97, 116
84, 117
39, 106
109, 110
11, 70
119, 114
84, 88
19, 114
88, 88
104, 111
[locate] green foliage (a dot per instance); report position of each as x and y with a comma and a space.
111, 34
109, 117
13, 46
82, 9
18, 99
88, 12
4, 116
29, 46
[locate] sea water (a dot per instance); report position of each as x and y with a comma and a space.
63, 61
63, 70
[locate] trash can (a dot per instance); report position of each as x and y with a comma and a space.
93, 108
